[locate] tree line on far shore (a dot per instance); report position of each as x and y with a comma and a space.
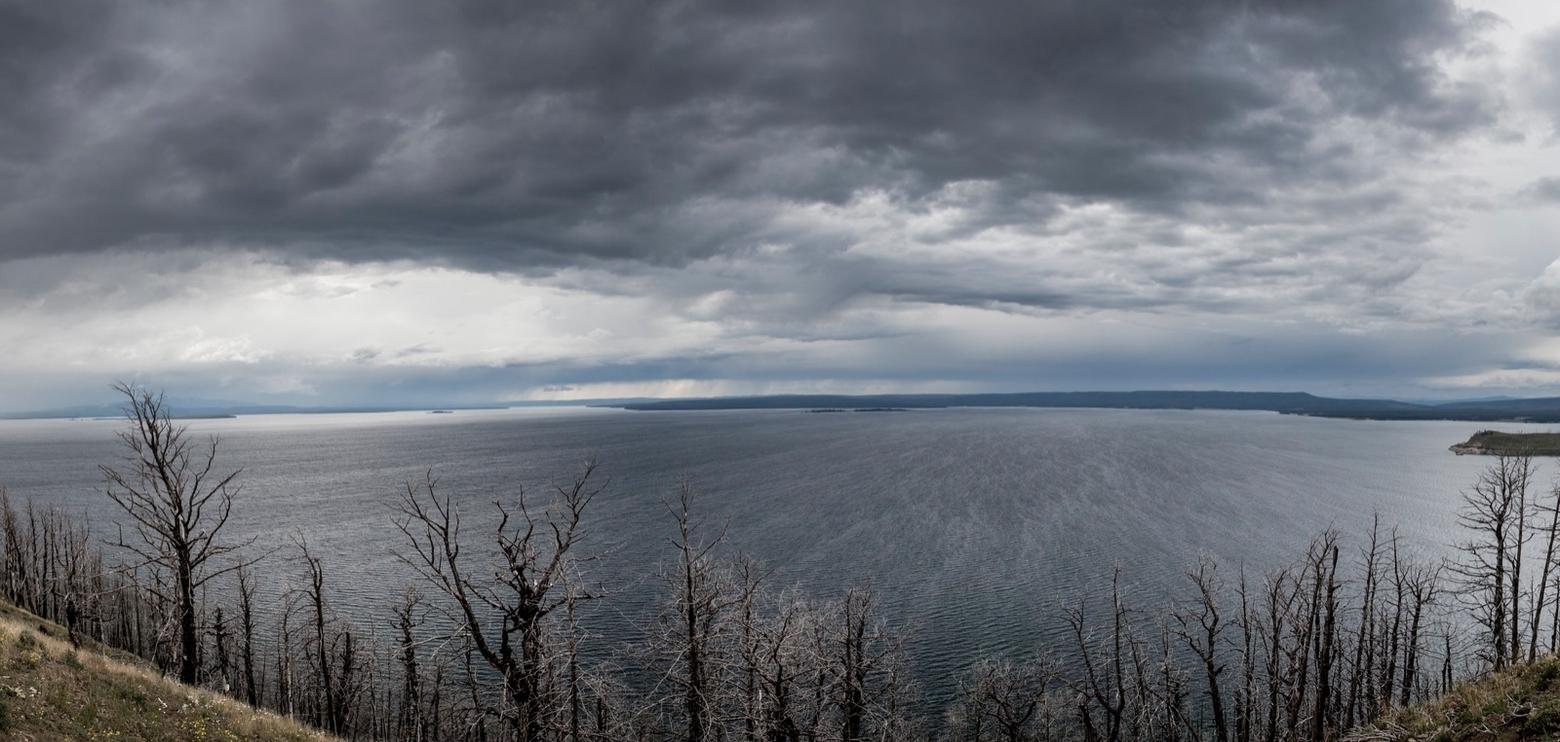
492, 640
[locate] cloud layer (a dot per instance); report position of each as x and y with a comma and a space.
476, 198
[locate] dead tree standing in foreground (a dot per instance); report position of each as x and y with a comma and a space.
179, 502
1104, 683
865, 650
330, 711
1551, 530
1199, 628
1490, 512
1365, 643
701, 601
1012, 696
1324, 570
246, 618
524, 590
410, 723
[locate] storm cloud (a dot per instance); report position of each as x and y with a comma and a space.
522, 135
763, 173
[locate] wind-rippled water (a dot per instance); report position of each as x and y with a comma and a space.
977, 527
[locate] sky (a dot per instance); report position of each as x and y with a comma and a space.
345, 202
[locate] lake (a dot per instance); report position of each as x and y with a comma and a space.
977, 527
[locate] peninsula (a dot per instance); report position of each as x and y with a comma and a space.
1496, 443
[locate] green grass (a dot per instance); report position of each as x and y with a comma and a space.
1517, 704
1494, 442
50, 691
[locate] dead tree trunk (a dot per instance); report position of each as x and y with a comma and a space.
1551, 530
1489, 512
329, 713
1200, 629
177, 503
535, 549
701, 600
246, 625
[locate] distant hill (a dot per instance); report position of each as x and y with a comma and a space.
1291, 403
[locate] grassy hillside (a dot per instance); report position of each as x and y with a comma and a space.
48, 691
1520, 704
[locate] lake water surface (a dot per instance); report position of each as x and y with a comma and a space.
977, 527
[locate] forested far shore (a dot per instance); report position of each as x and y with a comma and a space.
1536, 410
493, 639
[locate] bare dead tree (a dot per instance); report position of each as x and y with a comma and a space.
178, 502
1421, 582
784, 667
1387, 673
1520, 476
1490, 511
1303, 630
701, 600
1325, 572
534, 554
221, 634
1199, 628
1245, 701
16, 558
1550, 529
867, 653
286, 681
1280, 595
1104, 663
1012, 699
410, 719
574, 634
749, 581
246, 627
72, 583
1360, 678
330, 712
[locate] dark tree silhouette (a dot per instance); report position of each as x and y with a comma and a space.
1491, 511
178, 502
534, 551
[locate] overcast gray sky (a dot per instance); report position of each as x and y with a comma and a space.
353, 202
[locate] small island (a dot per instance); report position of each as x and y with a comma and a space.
1496, 443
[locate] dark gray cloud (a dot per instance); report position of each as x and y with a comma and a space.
246, 199
527, 136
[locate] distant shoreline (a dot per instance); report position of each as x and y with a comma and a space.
1545, 410
856, 409
1532, 411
